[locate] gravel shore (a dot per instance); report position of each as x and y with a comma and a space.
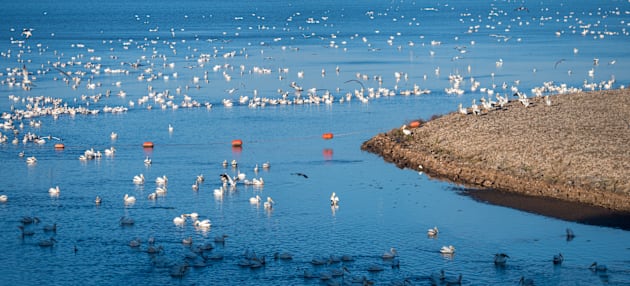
576, 149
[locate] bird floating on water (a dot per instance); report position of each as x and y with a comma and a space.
447, 249
431, 232
500, 259
558, 259
334, 199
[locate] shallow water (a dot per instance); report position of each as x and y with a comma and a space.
381, 206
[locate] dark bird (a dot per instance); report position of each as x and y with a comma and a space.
558, 62
557, 259
300, 174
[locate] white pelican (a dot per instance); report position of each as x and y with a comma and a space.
254, 200
195, 186
187, 241
269, 203
110, 151
225, 178
170, 128
27, 33
113, 136
31, 160
3, 198
224, 164
200, 178
256, 168
204, 224
147, 161
258, 182
97, 200
266, 165
161, 181
390, 254
433, 231
334, 199
234, 164
194, 216
447, 249
152, 196
180, 220
218, 192
129, 199
598, 267
500, 258
54, 191
160, 191
558, 259
138, 179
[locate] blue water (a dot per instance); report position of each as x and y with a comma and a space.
380, 207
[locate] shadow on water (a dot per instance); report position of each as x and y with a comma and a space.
569, 211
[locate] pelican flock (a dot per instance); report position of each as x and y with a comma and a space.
94, 82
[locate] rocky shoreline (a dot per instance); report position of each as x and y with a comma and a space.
574, 149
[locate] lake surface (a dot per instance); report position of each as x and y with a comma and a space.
154, 59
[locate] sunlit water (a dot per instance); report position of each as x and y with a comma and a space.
380, 207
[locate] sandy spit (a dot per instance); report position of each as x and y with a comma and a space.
577, 149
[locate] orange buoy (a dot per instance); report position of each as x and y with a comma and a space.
237, 143
147, 144
59, 146
327, 136
414, 124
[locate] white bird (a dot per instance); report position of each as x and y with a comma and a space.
161, 181
152, 196
27, 33
254, 200
433, 231
138, 179
113, 136
390, 254
179, 220
3, 198
31, 160
269, 203
54, 191
97, 200
334, 199
447, 249
147, 161
500, 258
170, 128
129, 199
204, 224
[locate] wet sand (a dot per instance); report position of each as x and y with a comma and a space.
573, 151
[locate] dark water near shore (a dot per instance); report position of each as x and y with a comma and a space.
185, 51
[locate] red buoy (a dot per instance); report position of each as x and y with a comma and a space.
59, 146
414, 124
237, 143
147, 144
327, 136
